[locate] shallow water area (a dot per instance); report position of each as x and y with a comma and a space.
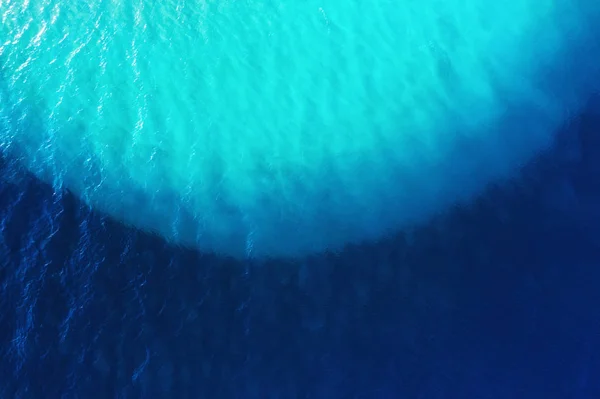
281, 129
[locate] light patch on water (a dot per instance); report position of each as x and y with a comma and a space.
282, 128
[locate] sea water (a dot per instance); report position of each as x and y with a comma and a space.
281, 128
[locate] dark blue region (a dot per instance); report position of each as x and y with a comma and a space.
499, 299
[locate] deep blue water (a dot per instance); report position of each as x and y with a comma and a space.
500, 299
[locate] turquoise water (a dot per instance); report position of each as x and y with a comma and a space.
281, 128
